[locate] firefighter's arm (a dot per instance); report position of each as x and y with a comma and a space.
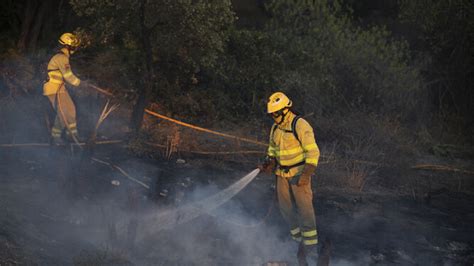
311, 150
268, 165
65, 68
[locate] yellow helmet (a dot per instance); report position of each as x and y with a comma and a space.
278, 101
69, 39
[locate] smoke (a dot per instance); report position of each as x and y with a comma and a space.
176, 234
50, 215
47, 223
227, 235
166, 219
55, 224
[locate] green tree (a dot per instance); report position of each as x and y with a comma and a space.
444, 33
337, 66
244, 77
313, 51
169, 40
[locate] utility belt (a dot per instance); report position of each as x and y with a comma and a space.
53, 80
287, 168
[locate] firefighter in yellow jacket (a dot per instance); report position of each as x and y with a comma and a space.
60, 73
294, 152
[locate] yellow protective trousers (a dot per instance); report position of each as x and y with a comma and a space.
296, 206
65, 113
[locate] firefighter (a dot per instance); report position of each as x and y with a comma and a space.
60, 73
293, 156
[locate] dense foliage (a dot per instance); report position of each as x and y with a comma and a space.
444, 38
194, 58
312, 51
167, 41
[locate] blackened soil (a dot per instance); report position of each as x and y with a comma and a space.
57, 210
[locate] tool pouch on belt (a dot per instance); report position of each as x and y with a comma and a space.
294, 180
287, 169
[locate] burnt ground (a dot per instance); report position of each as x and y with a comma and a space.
46, 222
57, 210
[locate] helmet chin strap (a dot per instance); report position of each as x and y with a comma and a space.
71, 49
282, 117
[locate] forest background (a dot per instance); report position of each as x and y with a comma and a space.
383, 81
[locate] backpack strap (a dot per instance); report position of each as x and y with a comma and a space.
272, 131
293, 128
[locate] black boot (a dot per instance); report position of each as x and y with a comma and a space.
312, 253
302, 255
325, 253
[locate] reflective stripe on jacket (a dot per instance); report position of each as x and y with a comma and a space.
288, 150
59, 71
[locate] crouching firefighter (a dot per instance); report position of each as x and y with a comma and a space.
293, 155
60, 72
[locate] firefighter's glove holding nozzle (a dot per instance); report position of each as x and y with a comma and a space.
305, 177
268, 165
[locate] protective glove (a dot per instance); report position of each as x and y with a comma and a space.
305, 177
268, 165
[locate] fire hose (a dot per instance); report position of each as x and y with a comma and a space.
155, 114
100, 90
105, 112
193, 210
63, 116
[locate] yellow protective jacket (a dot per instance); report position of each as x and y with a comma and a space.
59, 71
290, 151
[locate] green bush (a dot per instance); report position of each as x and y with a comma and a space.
204, 68
312, 51
338, 67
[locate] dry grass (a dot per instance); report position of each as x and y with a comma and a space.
101, 257
172, 141
362, 163
364, 149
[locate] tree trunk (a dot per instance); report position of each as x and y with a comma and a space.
149, 76
26, 24
37, 26
139, 111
